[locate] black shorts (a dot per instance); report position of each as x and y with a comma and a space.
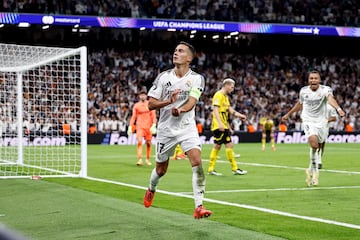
221, 137
267, 132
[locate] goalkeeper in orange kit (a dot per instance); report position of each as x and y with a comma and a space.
145, 126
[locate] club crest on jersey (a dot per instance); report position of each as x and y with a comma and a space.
188, 83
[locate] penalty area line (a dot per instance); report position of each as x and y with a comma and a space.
266, 210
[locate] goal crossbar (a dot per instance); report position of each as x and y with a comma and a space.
43, 90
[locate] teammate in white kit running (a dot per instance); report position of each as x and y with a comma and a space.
175, 92
313, 101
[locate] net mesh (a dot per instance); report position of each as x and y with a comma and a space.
50, 105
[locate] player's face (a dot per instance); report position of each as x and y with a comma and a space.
314, 81
142, 97
230, 88
182, 55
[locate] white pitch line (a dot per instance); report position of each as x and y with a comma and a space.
276, 189
314, 219
285, 167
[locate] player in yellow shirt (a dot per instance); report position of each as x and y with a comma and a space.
220, 127
267, 131
178, 153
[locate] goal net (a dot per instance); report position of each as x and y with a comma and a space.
43, 123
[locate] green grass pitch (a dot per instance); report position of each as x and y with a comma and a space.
270, 202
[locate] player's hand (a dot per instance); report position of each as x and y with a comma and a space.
341, 112
153, 129
284, 118
221, 128
129, 132
231, 131
175, 112
174, 95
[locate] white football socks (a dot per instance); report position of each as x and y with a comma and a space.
198, 183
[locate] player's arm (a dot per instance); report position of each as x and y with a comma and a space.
332, 119
133, 116
155, 104
335, 105
296, 108
237, 114
132, 121
188, 106
194, 95
153, 116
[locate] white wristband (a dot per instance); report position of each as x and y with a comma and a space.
338, 109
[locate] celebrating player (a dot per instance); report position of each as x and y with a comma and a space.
312, 100
145, 120
220, 127
175, 92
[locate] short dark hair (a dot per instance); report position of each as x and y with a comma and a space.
191, 47
142, 92
314, 70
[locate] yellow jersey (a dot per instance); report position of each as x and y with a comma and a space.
221, 101
268, 124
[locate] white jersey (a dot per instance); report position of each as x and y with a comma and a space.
165, 83
314, 108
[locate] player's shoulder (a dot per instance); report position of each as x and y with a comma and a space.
218, 94
305, 88
325, 88
165, 73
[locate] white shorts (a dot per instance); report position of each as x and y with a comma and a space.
165, 146
321, 131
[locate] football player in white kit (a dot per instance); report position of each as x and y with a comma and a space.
312, 101
175, 93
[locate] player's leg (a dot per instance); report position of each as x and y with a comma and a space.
164, 148
322, 136
263, 140
193, 151
311, 132
139, 139
148, 138
322, 149
231, 158
213, 157
314, 156
320, 153
214, 152
179, 153
272, 140
226, 139
309, 170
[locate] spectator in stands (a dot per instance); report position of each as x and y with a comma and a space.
282, 127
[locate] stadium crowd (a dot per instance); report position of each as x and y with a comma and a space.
264, 84
325, 12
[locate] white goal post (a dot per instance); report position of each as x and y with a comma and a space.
43, 112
